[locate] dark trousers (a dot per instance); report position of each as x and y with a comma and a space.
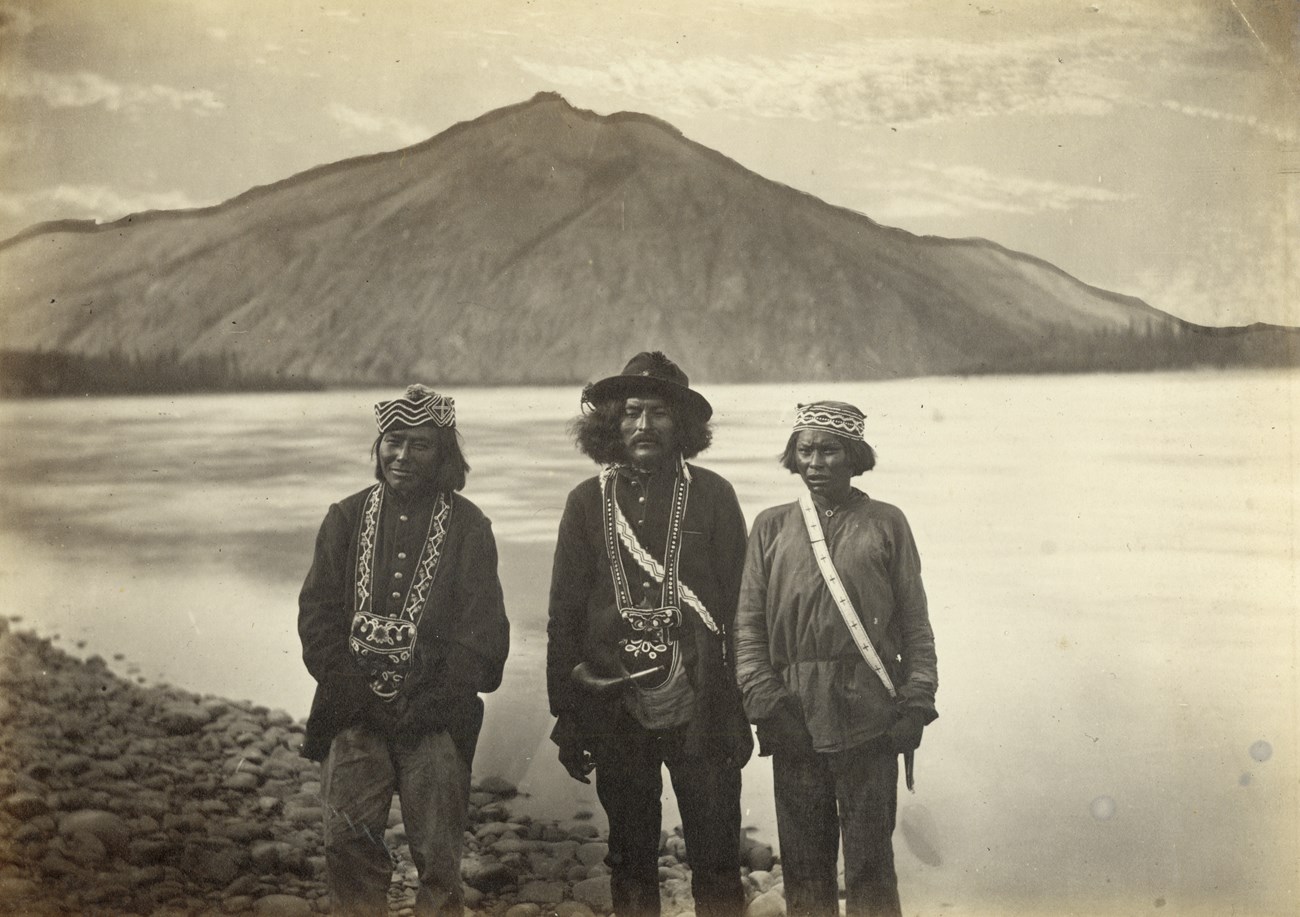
358, 780
820, 797
629, 783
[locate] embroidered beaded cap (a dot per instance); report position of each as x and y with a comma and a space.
420, 405
838, 417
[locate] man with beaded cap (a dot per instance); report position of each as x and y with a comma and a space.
835, 658
403, 626
639, 671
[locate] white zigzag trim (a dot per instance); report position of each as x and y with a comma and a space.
652, 566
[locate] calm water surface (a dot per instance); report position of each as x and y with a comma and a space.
1111, 564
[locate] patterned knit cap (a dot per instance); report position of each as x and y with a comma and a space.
419, 406
838, 417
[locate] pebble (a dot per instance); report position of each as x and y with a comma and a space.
126, 799
757, 857
542, 892
528, 909
573, 909
283, 906
595, 893
769, 904
111, 830
591, 853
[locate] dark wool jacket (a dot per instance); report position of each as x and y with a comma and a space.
582, 593
463, 634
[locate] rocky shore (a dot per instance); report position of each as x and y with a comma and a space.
118, 798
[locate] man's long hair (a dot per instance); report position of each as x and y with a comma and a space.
597, 435
452, 468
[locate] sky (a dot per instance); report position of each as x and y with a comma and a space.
1150, 147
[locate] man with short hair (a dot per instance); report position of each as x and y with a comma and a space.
403, 625
639, 671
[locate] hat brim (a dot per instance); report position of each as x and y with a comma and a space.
628, 386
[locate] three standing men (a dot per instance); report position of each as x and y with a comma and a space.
403, 625
639, 672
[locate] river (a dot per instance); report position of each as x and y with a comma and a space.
1110, 560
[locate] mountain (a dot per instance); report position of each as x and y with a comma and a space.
542, 243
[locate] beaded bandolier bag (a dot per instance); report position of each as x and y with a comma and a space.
383, 646
649, 638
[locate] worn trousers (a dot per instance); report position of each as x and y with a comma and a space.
629, 783
820, 798
363, 770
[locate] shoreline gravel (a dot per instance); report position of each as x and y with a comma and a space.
119, 798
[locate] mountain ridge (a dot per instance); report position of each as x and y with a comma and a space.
541, 242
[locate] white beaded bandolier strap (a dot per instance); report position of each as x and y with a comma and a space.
382, 645
618, 531
842, 601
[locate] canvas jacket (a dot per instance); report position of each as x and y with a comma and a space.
791, 640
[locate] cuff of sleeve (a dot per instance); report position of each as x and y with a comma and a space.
924, 712
565, 728
758, 712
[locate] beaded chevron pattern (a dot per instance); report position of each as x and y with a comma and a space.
420, 405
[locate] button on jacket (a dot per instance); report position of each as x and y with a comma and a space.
463, 634
712, 555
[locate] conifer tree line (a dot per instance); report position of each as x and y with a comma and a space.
50, 373
1148, 348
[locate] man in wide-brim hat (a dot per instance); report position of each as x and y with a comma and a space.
402, 625
643, 594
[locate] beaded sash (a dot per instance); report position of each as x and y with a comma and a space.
842, 601
649, 635
384, 646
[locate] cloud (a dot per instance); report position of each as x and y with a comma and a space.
343, 16
928, 189
85, 90
823, 9
1278, 132
1219, 289
89, 202
15, 22
406, 132
1043, 63
891, 81
1232, 270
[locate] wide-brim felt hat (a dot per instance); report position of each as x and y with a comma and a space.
650, 373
